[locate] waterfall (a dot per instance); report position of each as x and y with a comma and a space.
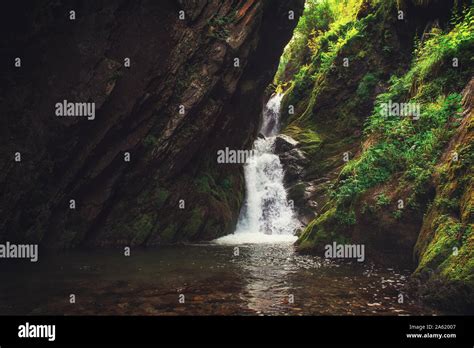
267, 216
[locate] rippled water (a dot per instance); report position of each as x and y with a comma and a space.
263, 279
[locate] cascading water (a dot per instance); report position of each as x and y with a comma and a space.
266, 217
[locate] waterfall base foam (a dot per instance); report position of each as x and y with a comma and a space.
255, 238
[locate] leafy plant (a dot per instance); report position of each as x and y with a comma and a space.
406, 145
382, 200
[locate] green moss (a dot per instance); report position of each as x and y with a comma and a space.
461, 266
192, 225
169, 234
226, 184
297, 194
206, 184
309, 140
141, 228
321, 231
441, 246
451, 250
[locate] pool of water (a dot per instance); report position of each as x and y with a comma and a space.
255, 279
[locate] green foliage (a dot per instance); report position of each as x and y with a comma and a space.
302, 81
442, 47
382, 200
446, 204
397, 214
346, 217
326, 47
411, 145
324, 27
374, 166
366, 86
316, 16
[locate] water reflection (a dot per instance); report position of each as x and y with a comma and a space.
280, 281
266, 268
213, 279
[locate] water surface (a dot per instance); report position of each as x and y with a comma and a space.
263, 279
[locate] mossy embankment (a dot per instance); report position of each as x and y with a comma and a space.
379, 98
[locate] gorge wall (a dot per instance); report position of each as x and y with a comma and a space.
174, 81
399, 184
144, 171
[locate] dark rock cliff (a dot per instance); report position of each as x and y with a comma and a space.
183, 97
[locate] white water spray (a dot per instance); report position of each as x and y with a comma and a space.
267, 216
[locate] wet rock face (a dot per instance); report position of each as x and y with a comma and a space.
294, 162
144, 170
284, 143
292, 158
